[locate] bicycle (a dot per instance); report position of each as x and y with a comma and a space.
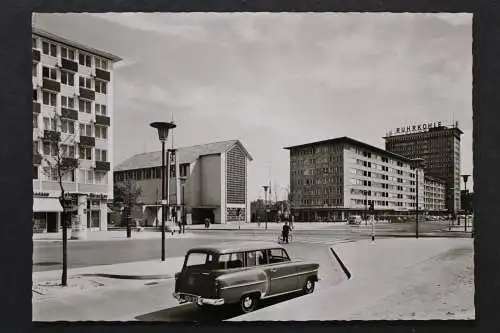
281, 241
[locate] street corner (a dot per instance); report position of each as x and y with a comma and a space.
42, 290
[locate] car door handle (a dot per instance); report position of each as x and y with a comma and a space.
205, 273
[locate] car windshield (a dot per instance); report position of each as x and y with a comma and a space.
200, 260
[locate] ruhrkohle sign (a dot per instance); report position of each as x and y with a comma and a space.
414, 128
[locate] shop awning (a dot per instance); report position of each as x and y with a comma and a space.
46, 205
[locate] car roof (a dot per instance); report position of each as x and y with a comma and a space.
236, 246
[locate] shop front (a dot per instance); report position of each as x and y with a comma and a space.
46, 214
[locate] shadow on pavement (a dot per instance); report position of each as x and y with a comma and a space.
193, 313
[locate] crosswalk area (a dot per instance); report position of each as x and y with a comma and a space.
294, 239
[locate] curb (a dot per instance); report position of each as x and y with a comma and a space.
344, 268
129, 277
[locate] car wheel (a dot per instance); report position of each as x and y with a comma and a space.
308, 286
248, 303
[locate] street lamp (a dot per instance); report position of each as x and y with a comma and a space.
163, 129
265, 202
466, 177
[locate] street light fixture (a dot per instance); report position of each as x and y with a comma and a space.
465, 178
163, 129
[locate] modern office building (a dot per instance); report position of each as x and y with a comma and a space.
72, 123
434, 195
336, 178
208, 180
439, 147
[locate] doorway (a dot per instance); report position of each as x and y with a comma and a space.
52, 222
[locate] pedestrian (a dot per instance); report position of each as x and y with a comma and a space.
285, 231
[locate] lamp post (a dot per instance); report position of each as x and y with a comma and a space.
163, 129
265, 202
465, 178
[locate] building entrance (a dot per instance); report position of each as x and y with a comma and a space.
52, 222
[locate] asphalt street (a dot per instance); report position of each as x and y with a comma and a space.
48, 255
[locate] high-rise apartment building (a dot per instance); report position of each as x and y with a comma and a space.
439, 147
72, 122
434, 195
336, 178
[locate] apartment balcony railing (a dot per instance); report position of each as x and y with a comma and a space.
36, 55
51, 85
49, 135
102, 74
69, 65
102, 120
87, 93
36, 107
50, 185
69, 113
87, 141
37, 159
104, 166
69, 162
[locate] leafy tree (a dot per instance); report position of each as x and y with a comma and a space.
126, 195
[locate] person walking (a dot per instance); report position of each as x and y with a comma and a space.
285, 232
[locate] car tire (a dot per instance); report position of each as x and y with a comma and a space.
248, 303
308, 286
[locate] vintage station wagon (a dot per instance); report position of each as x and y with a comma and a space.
241, 273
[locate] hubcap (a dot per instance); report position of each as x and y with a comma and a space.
247, 302
309, 285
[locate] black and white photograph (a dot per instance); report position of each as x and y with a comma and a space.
211, 167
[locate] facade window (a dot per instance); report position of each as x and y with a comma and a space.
35, 121
101, 155
67, 102
49, 49
67, 53
49, 124
90, 177
85, 106
35, 172
85, 82
67, 78
67, 126
68, 151
101, 63
100, 86
35, 148
85, 59
35, 95
101, 177
101, 132
86, 129
85, 153
49, 73
34, 69
33, 42
50, 149
100, 109
49, 98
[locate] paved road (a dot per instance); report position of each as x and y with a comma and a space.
48, 255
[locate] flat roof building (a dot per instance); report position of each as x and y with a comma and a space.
72, 120
333, 179
208, 180
439, 147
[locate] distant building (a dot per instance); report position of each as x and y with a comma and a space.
336, 178
434, 195
439, 147
208, 180
72, 113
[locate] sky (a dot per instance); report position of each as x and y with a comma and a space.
273, 80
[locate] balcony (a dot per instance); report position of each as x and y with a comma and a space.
69, 65
69, 162
51, 85
87, 141
37, 159
103, 166
69, 113
36, 55
93, 188
102, 120
103, 75
36, 107
87, 93
51, 135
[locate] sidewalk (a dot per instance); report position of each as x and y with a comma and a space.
270, 225
113, 235
46, 284
391, 279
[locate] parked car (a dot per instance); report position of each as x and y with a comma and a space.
241, 273
355, 219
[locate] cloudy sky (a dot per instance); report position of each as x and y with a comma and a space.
277, 79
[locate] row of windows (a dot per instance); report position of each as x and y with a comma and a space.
68, 78
84, 59
86, 176
50, 99
322, 202
67, 126
68, 150
319, 181
151, 173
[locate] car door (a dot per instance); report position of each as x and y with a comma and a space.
282, 272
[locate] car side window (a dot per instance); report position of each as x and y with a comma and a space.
230, 260
277, 255
255, 258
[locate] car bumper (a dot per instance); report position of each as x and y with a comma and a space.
183, 298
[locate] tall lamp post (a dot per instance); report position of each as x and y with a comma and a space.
265, 202
465, 177
163, 129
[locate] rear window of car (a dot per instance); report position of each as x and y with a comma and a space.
200, 260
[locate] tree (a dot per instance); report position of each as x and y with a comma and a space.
126, 194
58, 163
